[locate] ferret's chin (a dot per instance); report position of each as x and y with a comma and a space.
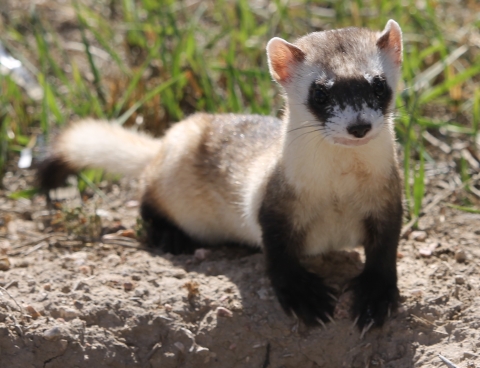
341, 141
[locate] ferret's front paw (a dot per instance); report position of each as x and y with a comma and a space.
375, 296
304, 295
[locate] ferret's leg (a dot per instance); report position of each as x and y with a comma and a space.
375, 289
162, 233
299, 292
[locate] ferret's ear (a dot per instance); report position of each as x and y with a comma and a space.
390, 41
282, 59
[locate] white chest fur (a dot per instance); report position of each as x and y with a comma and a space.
337, 187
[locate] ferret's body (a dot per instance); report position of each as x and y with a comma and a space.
323, 178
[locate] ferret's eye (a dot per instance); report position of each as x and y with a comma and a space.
319, 95
379, 86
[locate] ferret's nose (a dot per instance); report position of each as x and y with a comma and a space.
359, 130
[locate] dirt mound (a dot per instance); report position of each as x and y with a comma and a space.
67, 302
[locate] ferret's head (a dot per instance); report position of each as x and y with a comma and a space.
340, 82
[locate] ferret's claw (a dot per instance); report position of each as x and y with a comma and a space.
332, 296
365, 330
319, 320
330, 318
355, 322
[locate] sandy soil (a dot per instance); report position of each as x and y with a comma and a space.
68, 301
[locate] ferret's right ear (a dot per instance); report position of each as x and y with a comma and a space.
282, 58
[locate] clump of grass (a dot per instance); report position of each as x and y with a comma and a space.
148, 63
79, 223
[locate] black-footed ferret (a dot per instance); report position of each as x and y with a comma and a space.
325, 177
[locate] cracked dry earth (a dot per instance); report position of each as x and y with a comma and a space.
67, 301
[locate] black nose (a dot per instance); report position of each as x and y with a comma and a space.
359, 130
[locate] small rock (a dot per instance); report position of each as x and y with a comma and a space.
127, 233
201, 254
416, 293
81, 285
66, 289
425, 252
63, 344
460, 256
32, 311
179, 274
140, 292
469, 355
78, 304
224, 312
263, 293
103, 213
68, 313
86, 270
180, 346
168, 307
200, 350
459, 280
128, 286
22, 263
113, 259
136, 277
4, 264
418, 236
5, 246
444, 257
53, 334
132, 204
47, 287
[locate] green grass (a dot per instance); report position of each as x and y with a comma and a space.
154, 62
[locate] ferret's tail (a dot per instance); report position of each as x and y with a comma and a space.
96, 144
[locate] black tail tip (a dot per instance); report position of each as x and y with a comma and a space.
52, 173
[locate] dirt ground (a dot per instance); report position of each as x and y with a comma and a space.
66, 301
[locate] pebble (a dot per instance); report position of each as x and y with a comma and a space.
127, 233
47, 287
263, 293
63, 344
425, 252
66, 289
68, 313
459, 280
140, 292
418, 236
201, 254
460, 256
32, 311
113, 260
180, 346
224, 312
416, 293
4, 264
200, 350
127, 286
132, 204
53, 334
